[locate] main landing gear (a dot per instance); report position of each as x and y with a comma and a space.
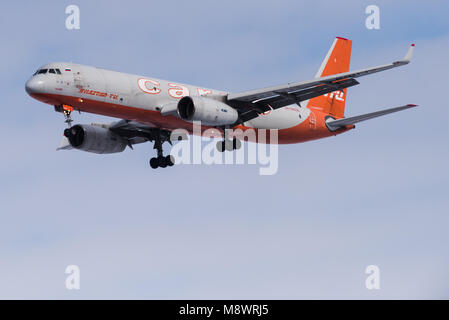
227, 144
160, 160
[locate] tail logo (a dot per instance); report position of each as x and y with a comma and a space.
339, 95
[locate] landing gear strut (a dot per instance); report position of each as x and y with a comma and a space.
68, 119
66, 111
160, 160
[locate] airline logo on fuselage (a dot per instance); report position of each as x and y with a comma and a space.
174, 90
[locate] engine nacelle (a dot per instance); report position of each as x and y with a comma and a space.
94, 139
209, 111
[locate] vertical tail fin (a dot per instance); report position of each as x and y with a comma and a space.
336, 61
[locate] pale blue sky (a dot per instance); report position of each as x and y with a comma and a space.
375, 195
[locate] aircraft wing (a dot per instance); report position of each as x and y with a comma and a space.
336, 124
252, 103
137, 132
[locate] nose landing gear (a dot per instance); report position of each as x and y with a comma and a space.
68, 119
66, 111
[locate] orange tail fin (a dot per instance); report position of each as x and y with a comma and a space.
337, 61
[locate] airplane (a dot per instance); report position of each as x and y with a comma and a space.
151, 109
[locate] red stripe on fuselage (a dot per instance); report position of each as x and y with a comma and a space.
305, 131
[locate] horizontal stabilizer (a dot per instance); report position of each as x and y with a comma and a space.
336, 124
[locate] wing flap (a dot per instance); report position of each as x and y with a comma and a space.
306, 94
282, 99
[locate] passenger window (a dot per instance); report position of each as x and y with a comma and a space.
42, 71
51, 71
58, 71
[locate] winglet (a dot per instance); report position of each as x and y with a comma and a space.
409, 54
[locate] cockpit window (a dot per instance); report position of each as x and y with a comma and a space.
44, 71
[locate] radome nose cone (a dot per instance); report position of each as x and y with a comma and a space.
34, 86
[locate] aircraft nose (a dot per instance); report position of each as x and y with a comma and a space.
34, 86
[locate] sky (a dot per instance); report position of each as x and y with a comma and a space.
376, 195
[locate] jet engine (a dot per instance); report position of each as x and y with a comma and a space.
94, 139
208, 111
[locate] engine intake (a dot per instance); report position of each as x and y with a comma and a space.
94, 139
208, 111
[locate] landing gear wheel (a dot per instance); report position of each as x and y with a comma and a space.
160, 136
220, 146
162, 162
236, 144
229, 145
154, 163
170, 160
